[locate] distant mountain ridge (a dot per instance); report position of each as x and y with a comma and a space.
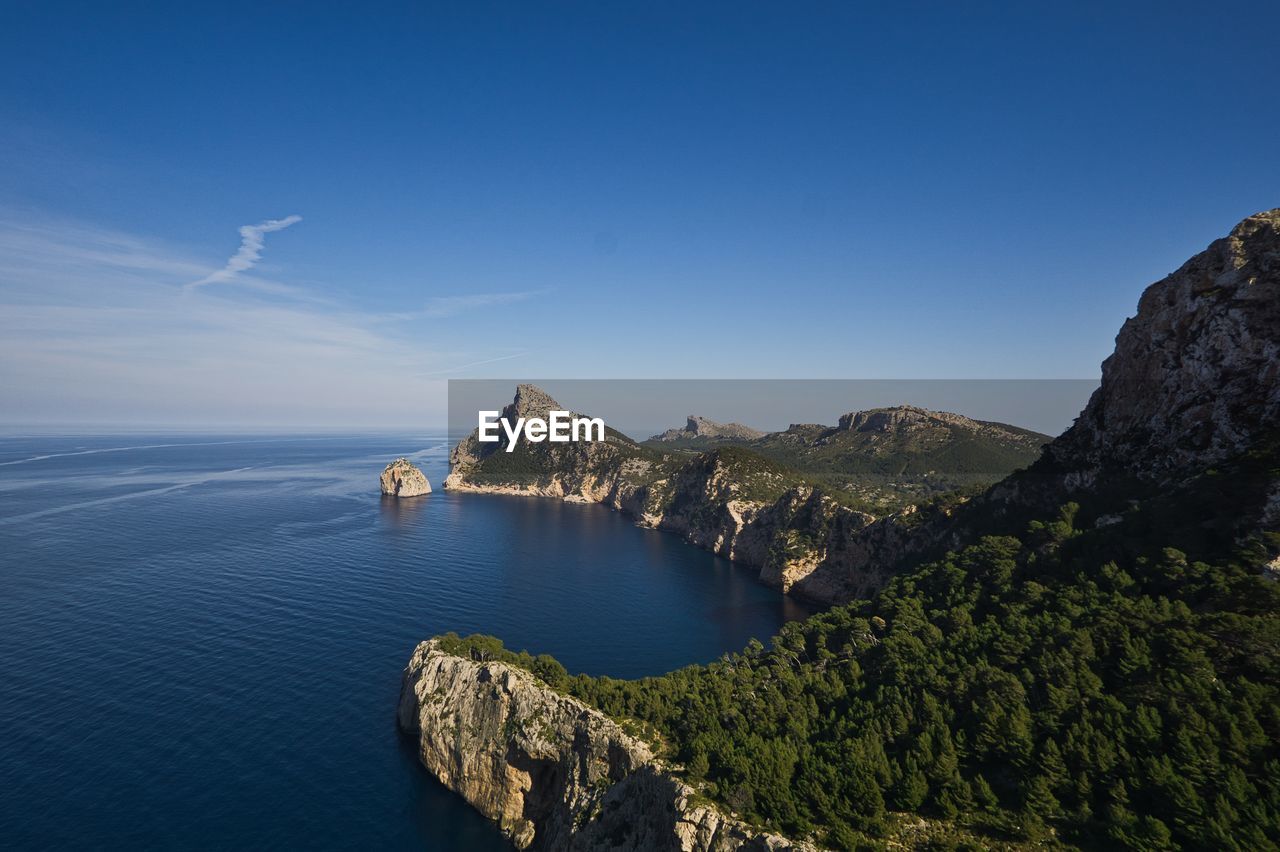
905, 443
700, 428
886, 458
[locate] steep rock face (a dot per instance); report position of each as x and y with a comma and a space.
402, 478
1194, 382
1195, 376
787, 539
700, 427
551, 771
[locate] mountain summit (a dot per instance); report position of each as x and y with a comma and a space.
696, 428
1180, 439
1195, 376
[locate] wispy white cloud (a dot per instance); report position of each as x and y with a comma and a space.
252, 239
447, 306
97, 326
461, 367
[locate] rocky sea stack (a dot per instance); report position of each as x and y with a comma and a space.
402, 478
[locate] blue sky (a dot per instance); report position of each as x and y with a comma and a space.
596, 190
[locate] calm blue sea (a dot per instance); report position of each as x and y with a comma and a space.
201, 638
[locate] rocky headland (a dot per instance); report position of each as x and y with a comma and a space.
1195, 376
552, 772
805, 537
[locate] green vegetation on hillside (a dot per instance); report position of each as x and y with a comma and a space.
1076, 682
942, 450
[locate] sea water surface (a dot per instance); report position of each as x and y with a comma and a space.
201, 637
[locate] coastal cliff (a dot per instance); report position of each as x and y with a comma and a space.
806, 538
552, 772
1188, 404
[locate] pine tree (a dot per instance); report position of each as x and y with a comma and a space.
983, 795
911, 790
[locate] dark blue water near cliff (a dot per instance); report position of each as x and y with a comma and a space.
201, 638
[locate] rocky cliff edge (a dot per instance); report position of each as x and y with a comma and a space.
552, 772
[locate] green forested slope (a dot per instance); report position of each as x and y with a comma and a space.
1087, 685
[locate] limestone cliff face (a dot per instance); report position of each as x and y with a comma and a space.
402, 478
803, 543
551, 771
1195, 376
1194, 381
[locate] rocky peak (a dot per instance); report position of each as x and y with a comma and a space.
701, 427
530, 401
1195, 376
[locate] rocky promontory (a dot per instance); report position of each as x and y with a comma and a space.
552, 772
737, 500
402, 478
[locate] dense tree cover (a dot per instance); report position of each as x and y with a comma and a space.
1021, 687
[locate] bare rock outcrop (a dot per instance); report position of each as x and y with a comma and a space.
552, 772
1195, 376
402, 478
700, 427
901, 419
